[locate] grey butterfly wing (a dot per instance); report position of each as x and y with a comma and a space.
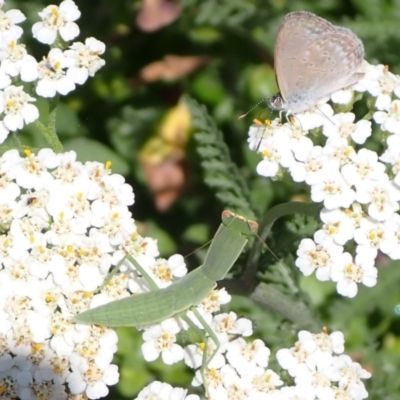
297, 29
336, 58
314, 58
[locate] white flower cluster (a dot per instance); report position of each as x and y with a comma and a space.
57, 73
62, 224
316, 366
319, 373
163, 391
360, 189
239, 369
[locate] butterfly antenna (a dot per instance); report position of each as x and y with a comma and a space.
251, 109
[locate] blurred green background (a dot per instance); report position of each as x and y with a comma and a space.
219, 52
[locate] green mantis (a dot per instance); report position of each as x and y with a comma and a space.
158, 305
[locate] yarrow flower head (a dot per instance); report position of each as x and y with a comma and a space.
343, 176
68, 243
64, 225
86, 59
56, 74
164, 391
16, 107
15, 61
9, 29
57, 20
50, 256
52, 77
319, 368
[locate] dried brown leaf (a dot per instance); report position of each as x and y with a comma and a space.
171, 68
154, 14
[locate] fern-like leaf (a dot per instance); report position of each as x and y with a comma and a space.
220, 172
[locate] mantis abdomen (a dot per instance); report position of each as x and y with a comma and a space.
152, 307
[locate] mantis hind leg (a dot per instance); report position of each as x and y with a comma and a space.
111, 274
206, 360
138, 268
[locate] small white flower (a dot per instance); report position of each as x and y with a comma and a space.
212, 303
316, 116
232, 325
310, 358
80, 380
245, 357
15, 61
364, 167
8, 28
275, 152
319, 257
348, 274
302, 392
390, 120
392, 156
194, 354
239, 389
369, 237
333, 191
299, 143
217, 380
112, 188
165, 270
343, 126
337, 224
164, 391
314, 168
295, 360
317, 381
14, 103
356, 214
332, 343
86, 59
5, 80
390, 245
32, 172
264, 383
38, 325
161, 338
57, 20
259, 131
45, 383
8, 188
339, 150
180, 394
349, 375
382, 197
177, 265
52, 77
343, 96
379, 82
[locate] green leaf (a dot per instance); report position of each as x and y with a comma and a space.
221, 174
